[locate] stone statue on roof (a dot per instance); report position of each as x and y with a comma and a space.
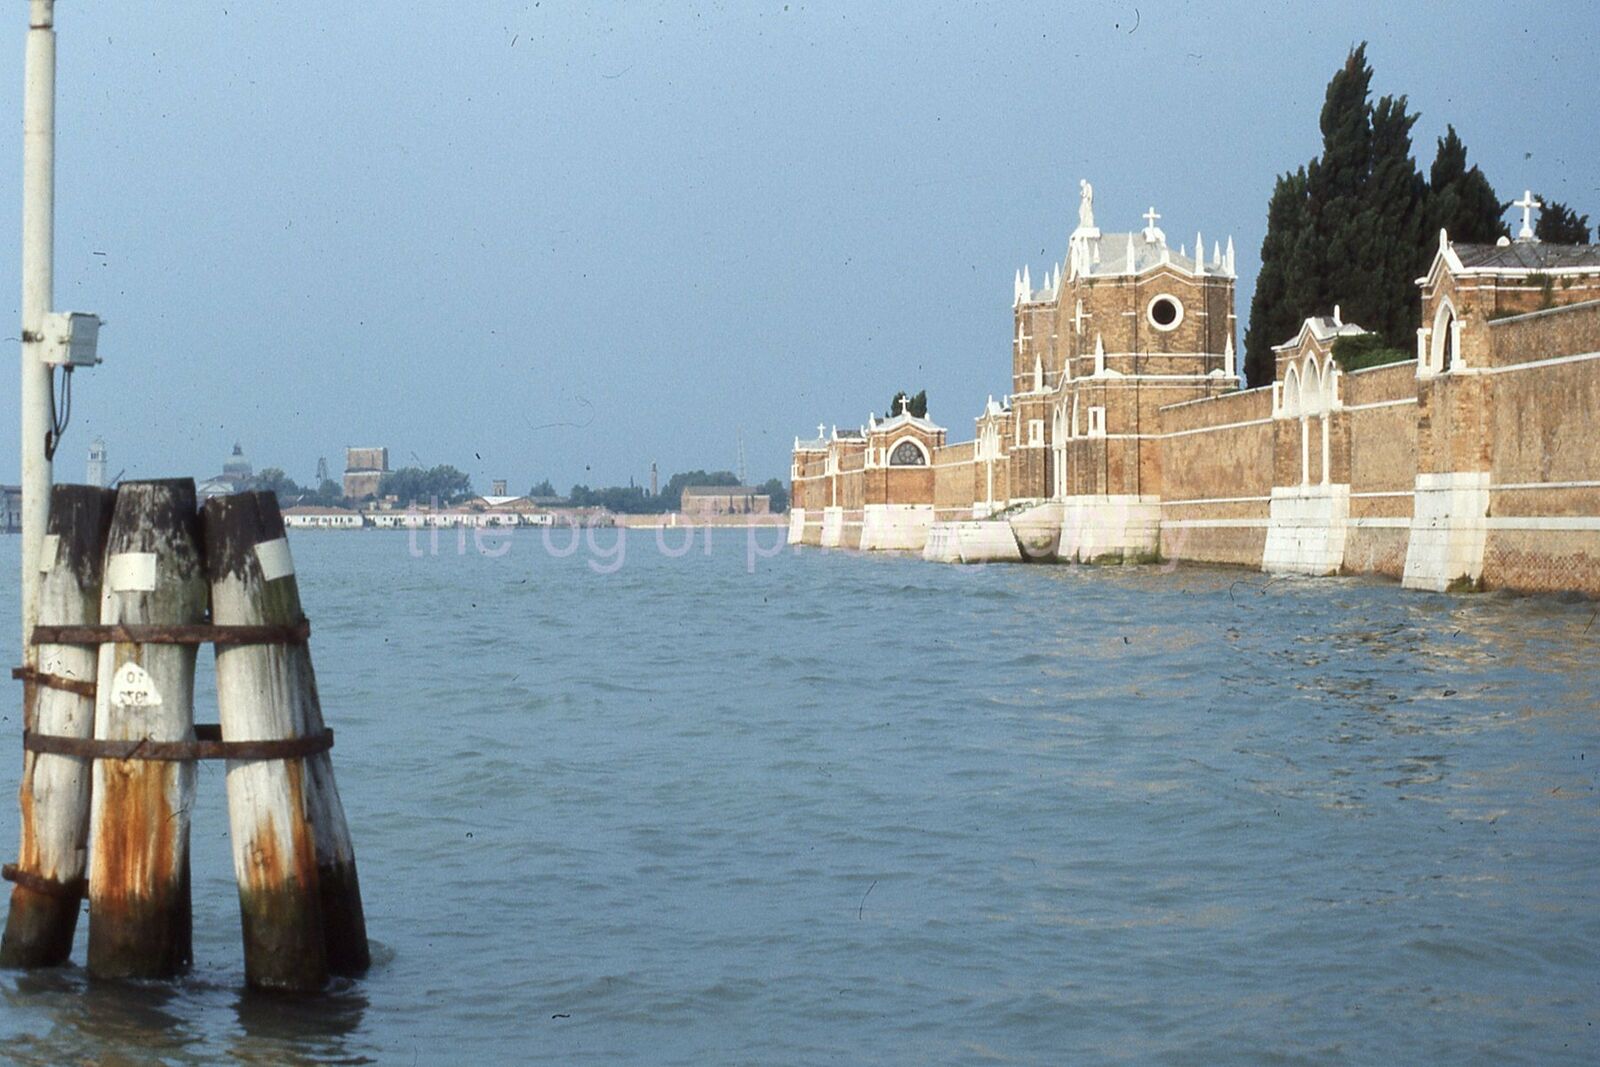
1085, 204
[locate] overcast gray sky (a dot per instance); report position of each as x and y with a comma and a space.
537, 239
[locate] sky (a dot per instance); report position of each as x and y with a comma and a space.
567, 240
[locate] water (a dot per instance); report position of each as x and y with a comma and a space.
850, 809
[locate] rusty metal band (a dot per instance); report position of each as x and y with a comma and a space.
79, 686
156, 633
49, 887
208, 744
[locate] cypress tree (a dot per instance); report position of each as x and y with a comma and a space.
1337, 193
1394, 227
1272, 319
1559, 224
1460, 199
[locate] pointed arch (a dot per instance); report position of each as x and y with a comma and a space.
1441, 351
1310, 386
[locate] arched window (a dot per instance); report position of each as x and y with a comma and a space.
908, 453
1310, 387
1291, 392
1442, 352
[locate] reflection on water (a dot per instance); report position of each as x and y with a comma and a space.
297, 1030
103, 1022
863, 809
177, 1022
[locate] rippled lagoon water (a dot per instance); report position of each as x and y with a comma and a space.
839, 808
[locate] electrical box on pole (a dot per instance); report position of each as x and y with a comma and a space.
71, 339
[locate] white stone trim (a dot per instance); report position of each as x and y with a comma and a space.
1380, 403
1215, 524
1219, 396
1553, 361
1214, 429
1217, 500
1519, 486
1543, 522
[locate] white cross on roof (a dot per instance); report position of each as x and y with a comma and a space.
1527, 204
1151, 233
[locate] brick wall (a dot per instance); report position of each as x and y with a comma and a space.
953, 480
1563, 331
1216, 475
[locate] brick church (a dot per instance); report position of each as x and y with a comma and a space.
1126, 437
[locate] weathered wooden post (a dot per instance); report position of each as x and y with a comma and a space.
59, 702
274, 856
139, 920
269, 691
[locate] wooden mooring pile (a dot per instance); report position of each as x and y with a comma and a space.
133, 581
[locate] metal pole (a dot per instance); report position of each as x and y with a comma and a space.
38, 282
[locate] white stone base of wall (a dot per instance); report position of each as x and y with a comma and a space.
1096, 527
1449, 530
941, 546
979, 541
895, 527
832, 527
1306, 531
1038, 531
797, 525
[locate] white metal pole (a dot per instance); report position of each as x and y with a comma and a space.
38, 281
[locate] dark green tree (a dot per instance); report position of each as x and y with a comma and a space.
274, 480
329, 494
1340, 259
918, 404
441, 485
1460, 199
778, 490
671, 498
1272, 318
542, 489
623, 499
1559, 225
1357, 225
1395, 226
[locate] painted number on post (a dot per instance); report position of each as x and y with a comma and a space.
132, 687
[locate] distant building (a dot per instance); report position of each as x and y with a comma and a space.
308, 517
497, 487
96, 474
364, 469
703, 501
237, 476
10, 509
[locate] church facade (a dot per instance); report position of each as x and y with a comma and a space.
1125, 436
